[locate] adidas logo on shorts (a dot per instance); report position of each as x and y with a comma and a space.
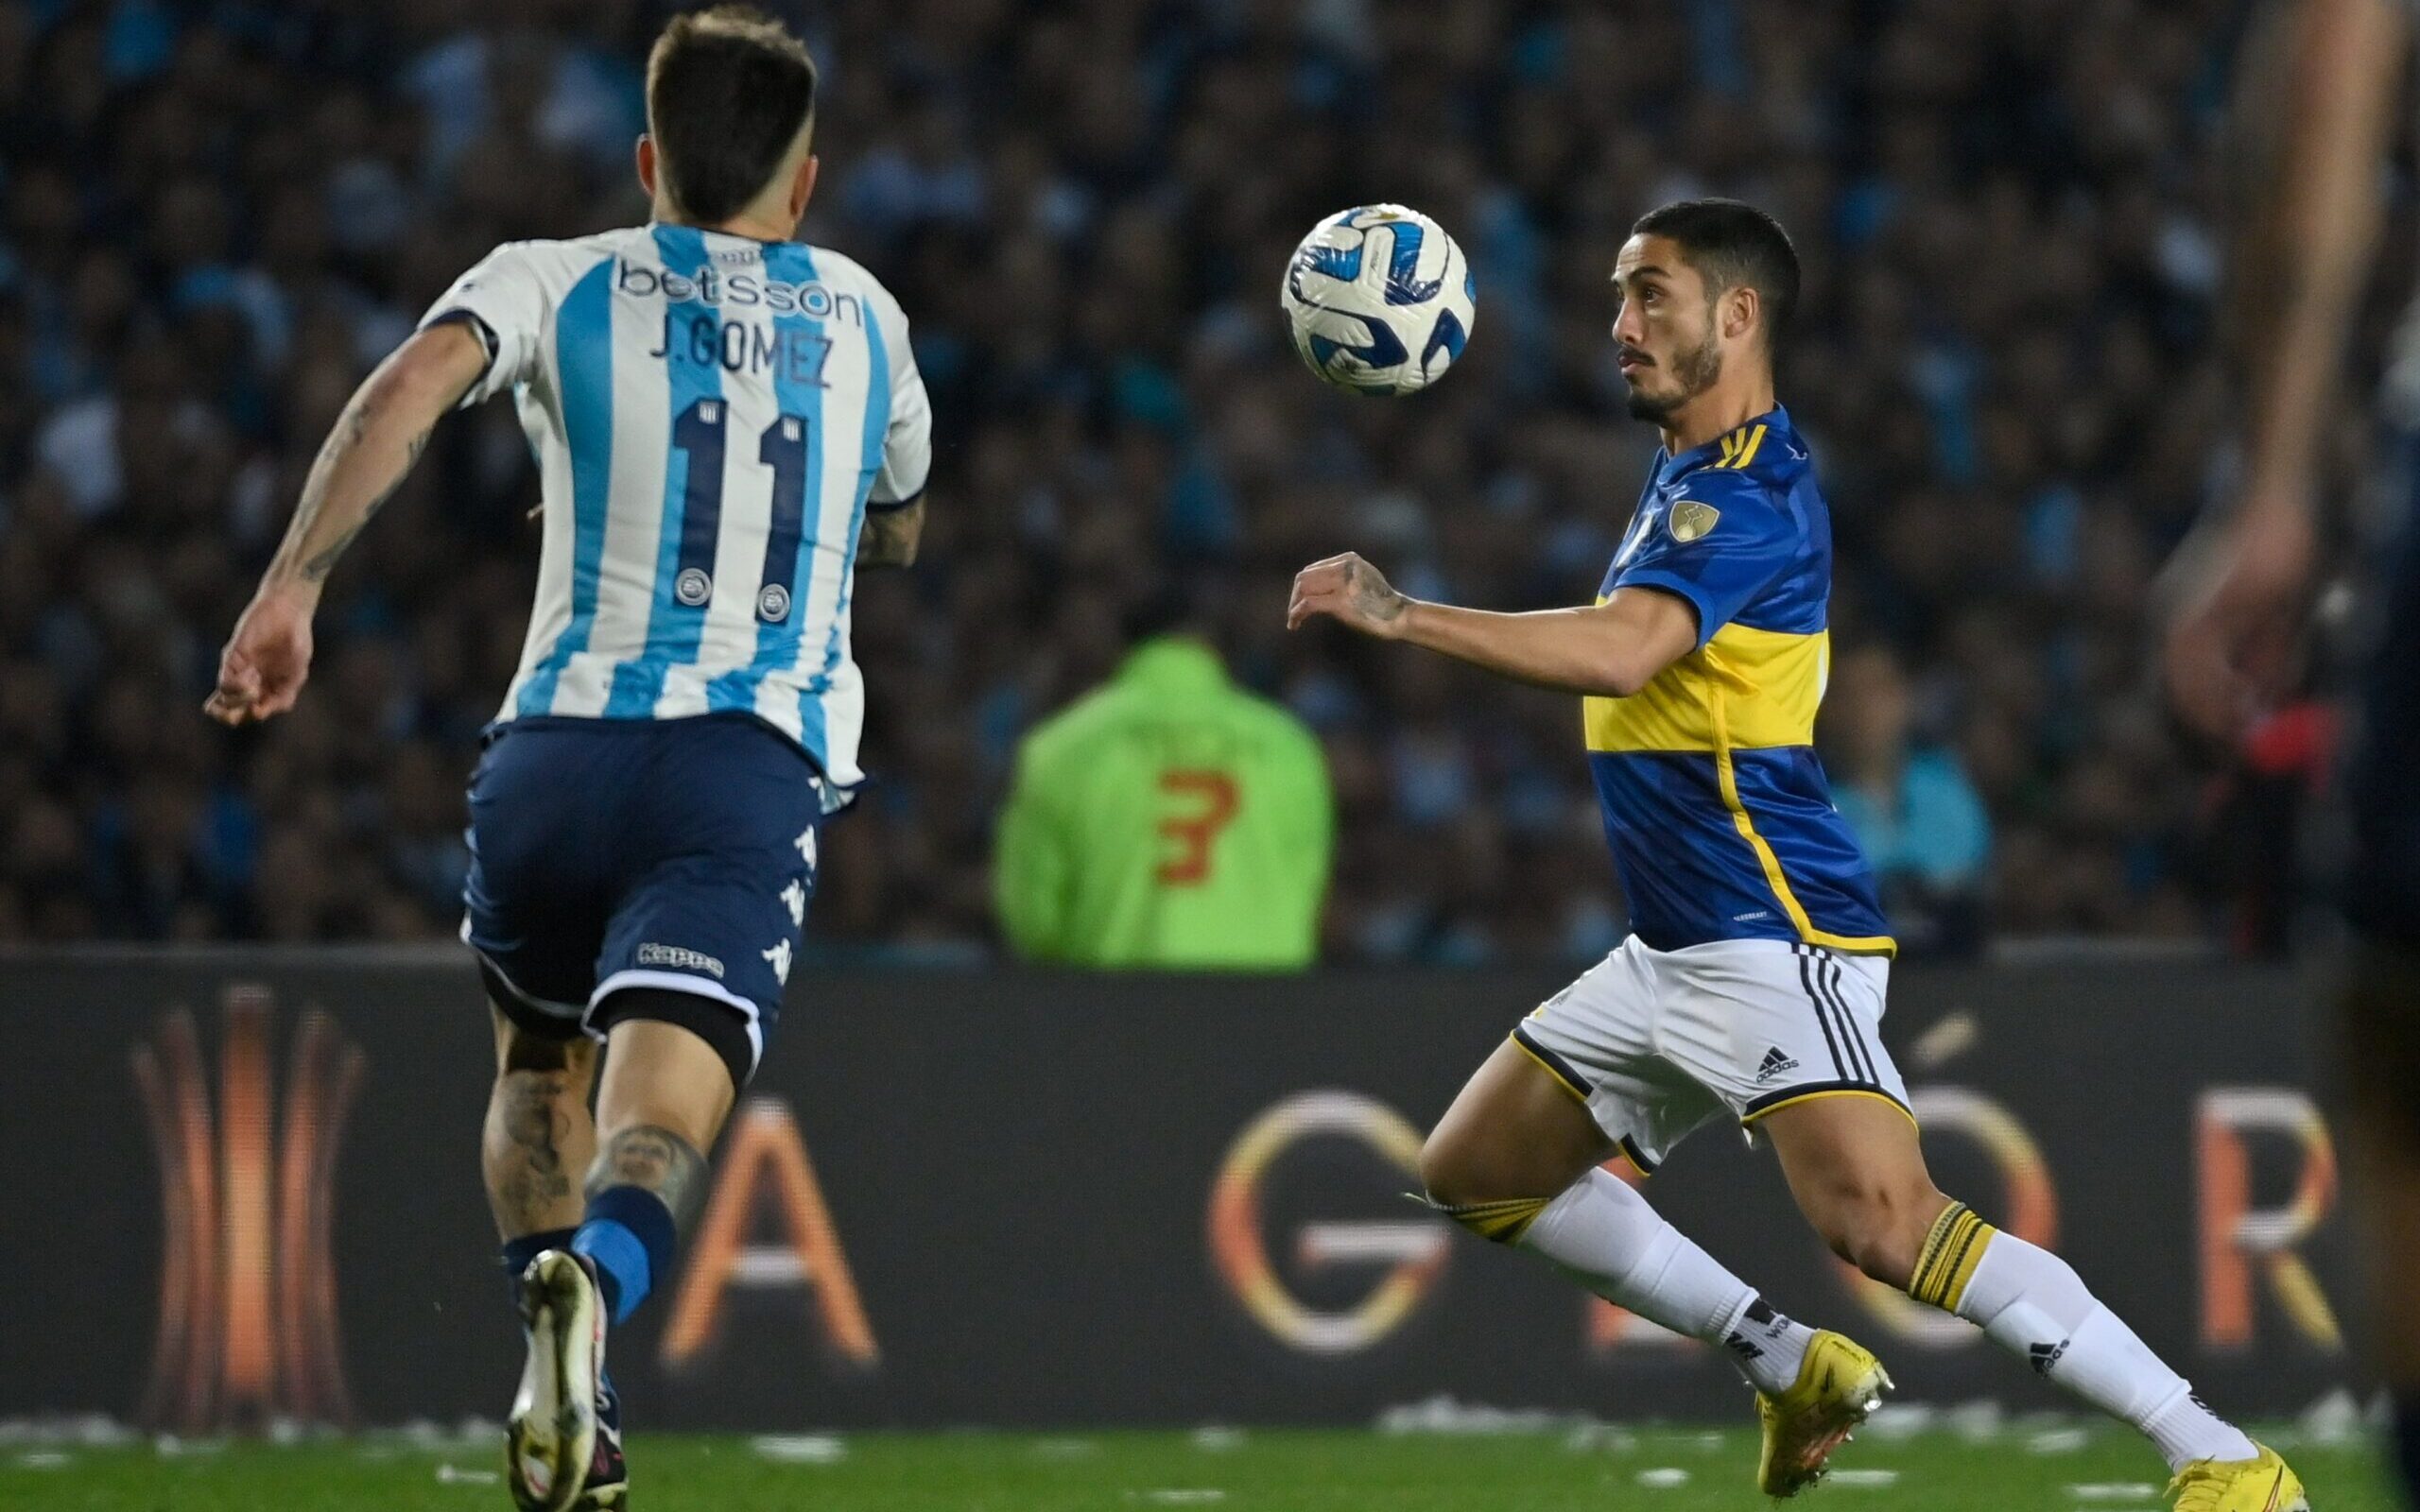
1773, 1065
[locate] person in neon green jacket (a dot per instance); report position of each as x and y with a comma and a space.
1168, 820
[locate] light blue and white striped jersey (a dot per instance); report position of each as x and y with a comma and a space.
712, 417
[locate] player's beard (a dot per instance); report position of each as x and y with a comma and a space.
1695, 371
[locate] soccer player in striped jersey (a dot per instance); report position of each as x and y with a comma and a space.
1750, 989
728, 424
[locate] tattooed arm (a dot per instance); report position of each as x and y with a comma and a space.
1609, 649
890, 537
374, 444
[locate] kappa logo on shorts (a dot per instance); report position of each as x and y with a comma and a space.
680, 958
1773, 1065
794, 899
779, 959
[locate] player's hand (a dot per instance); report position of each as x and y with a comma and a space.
2231, 640
1352, 591
261, 670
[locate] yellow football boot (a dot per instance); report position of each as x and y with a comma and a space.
1838, 1386
2265, 1484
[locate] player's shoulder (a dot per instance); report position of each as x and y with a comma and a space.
839, 271
1766, 453
558, 262
1067, 734
1761, 472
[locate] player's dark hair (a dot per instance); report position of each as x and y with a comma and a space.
727, 92
1734, 245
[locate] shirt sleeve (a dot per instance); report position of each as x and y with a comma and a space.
504, 301
907, 446
1720, 544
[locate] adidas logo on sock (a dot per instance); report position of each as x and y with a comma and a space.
2047, 1355
1738, 1345
1775, 1064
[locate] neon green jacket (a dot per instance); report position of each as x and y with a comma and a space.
1169, 819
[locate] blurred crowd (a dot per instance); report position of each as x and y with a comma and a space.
219, 214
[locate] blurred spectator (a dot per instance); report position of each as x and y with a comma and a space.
1167, 820
1910, 805
215, 219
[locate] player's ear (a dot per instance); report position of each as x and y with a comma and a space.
1739, 309
646, 164
803, 187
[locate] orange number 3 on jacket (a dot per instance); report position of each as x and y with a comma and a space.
1207, 802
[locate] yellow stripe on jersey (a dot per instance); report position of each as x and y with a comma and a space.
1770, 864
1744, 690
1767, 684
1740, 447
1748, 450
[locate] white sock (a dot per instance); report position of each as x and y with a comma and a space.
1606, 1237
2033, 1304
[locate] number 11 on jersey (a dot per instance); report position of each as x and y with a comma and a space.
699, 433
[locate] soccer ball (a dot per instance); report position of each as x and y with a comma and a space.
1379, 299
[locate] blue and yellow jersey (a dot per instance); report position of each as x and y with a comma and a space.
1717, 812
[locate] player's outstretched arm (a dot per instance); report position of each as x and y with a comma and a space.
889, 536
374, 444
1609, 649
2301, 266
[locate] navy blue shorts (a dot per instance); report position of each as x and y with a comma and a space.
618, 861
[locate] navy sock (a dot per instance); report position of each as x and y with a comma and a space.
2407, 1446
627, 1231
519, 1252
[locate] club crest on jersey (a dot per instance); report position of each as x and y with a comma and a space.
1689, 520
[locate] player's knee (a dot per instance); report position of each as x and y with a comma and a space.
519, 1050
1467, 1183
1450, 1171
1878, 1227
1461, 1166
567, 1062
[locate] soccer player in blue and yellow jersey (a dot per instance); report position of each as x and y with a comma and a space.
1750, 989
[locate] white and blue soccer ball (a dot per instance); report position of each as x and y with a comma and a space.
1379, 299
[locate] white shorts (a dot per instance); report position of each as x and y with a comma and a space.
1658, 1043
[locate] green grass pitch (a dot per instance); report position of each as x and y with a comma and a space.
1652, 1469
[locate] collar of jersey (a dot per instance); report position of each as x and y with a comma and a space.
1672, 468
712, 231
1173, 661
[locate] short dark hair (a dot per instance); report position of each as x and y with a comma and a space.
727, 92
1734, 245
